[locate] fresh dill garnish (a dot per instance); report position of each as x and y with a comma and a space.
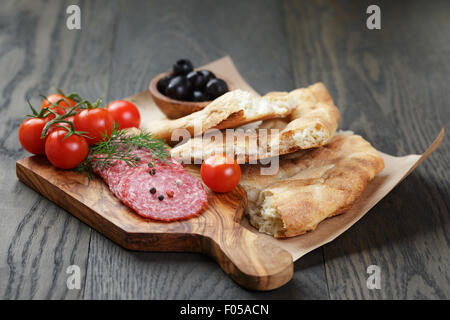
120, 146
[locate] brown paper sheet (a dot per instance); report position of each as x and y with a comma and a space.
396, 169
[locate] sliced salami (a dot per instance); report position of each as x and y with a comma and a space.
163, 191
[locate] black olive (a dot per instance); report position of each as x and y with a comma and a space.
179, 88
182, 67
163, 83
198, 96
207, 74
197, 80
215, 88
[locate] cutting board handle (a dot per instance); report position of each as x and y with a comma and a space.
251, 261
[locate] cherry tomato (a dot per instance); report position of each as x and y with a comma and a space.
220, 173
54, 98
125, 113
95, 122
65, 153
30, 135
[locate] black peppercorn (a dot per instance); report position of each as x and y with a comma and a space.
153, 190
160, 197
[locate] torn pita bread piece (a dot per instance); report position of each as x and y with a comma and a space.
233, 109
310, 185
245, 146
312, 123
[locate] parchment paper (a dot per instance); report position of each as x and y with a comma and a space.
396, 169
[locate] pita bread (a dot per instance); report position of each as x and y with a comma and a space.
310, 185
311, 124
233, 109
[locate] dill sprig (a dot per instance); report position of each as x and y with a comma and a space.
119, 146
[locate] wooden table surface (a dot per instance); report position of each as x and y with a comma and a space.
391, 85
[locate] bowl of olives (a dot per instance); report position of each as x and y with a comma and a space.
185, 90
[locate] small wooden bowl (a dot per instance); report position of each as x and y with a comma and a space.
175, 109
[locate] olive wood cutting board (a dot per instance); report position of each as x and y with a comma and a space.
250, 260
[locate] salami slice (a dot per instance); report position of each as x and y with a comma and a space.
163, 192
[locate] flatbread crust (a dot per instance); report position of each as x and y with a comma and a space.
310, 185
233, 109
312, 123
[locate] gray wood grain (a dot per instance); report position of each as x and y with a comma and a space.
203, 32
39, 240
391, 86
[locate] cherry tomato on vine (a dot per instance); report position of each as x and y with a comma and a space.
125, 113
96, 123
57, 126
30, 135
54, 98
220, 173
65, 153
